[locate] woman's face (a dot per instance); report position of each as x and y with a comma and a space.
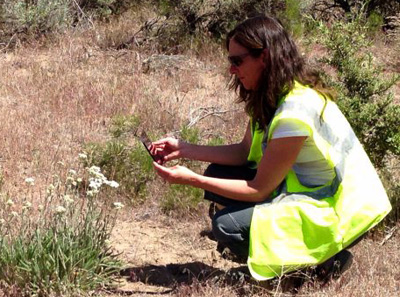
246, 67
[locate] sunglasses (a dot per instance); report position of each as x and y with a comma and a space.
237, 60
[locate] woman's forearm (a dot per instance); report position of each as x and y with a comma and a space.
279, 157
241, 190
233, 154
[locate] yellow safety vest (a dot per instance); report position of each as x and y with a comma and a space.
303, 226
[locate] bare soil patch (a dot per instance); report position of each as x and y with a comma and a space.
166, 256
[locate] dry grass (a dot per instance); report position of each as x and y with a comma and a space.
57, 95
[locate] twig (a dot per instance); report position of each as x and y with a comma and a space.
9, 42
205, 112
146, 26
83, 13
389, 235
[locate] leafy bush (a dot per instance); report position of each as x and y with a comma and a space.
189, 23
349, 9
375, 23
181, 198
35, 17
190, 134
123, 158
292, 18
364, 94
62, 245
216, 140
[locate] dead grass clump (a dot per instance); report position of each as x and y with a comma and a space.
54, 100
394, 35
58, 95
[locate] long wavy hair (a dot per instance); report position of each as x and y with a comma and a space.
284, 66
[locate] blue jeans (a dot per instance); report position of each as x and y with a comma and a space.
231, 225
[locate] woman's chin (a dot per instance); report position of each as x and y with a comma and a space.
247, 88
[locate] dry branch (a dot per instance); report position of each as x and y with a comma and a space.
201, 113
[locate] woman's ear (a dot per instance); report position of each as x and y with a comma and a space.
265, 56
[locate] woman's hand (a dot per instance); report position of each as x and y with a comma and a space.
168, 149
176, 174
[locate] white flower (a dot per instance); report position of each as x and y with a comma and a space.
40, 207
68, 199
112, 184
50, 189
118, 205
14, 214
10, 202
60, 209
95, 183
30, 181
2, 221
94, 170
27, 205
107, 242
72, 172
82, 156
70, 180
90, 193
79, 180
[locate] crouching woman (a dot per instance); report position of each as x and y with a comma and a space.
299, 188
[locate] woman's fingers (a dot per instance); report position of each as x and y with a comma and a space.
176, 174
164, 141
167, 148
162, 171
171, 156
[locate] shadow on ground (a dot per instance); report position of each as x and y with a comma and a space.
171, 276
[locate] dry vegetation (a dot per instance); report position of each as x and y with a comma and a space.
60, 93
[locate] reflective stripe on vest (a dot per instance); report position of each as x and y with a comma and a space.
304, 226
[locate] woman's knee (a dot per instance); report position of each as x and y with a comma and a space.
233, 223
228, 234
224, 229
219, 228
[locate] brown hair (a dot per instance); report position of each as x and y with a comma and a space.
283, 62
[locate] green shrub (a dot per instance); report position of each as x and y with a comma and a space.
375, 23
190, 23
181, 198
60, 247
190, 134
124, 126
364, 95
292, 18
363, 90
123, 158
36, 17
216, 140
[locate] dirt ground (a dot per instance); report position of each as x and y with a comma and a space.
161, 252
164, 254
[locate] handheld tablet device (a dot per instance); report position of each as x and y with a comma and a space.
147, 144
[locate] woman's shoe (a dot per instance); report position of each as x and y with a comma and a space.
335, 266
214, 208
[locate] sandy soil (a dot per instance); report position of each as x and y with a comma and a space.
162, 252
